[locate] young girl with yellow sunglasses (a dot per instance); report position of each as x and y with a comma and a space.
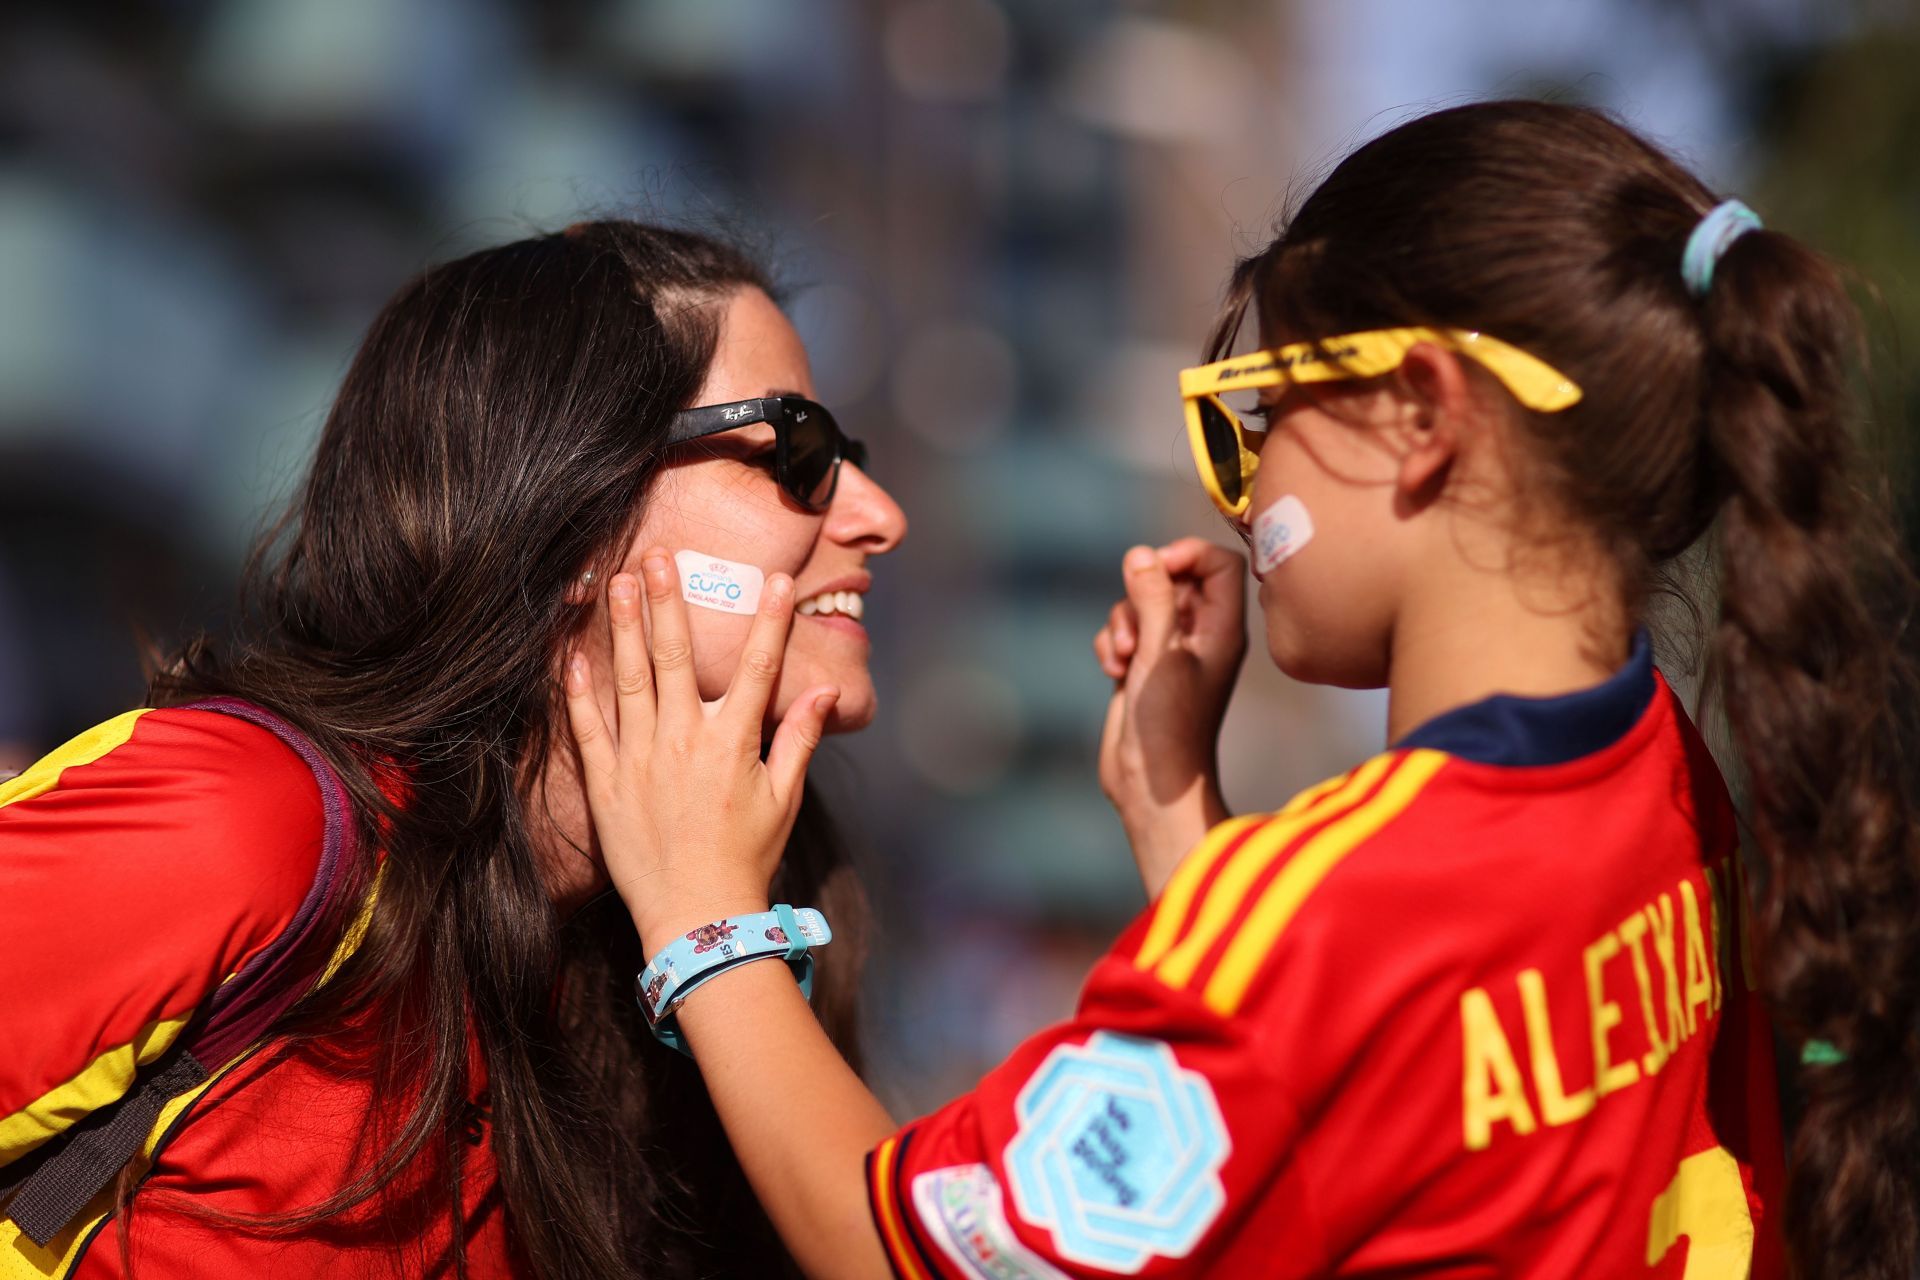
1487, 1004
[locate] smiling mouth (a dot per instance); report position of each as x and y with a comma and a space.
846, 604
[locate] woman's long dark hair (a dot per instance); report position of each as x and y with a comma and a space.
1558, 230
496, 435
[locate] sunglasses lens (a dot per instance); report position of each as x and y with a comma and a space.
813, 452
1223, 449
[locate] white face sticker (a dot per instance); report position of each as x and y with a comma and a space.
713, 583
1279, 532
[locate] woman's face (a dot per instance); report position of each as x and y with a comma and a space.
717, 496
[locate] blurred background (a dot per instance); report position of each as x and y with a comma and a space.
1005, 223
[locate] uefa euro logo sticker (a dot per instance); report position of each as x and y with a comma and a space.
1119, 1153
960, 1207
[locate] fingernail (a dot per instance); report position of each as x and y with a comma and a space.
654, 564
1139, 559
779, 587
577, 673
621, 588
826, 700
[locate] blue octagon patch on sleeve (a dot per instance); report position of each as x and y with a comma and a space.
1119, 1152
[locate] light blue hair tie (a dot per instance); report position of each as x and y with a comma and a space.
1712, 236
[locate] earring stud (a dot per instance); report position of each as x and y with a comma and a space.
586, 579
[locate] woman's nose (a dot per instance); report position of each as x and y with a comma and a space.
863, 514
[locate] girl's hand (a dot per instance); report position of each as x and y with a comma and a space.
1174, 648
691, 821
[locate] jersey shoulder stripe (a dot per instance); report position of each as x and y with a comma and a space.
1284, 895
1236, 880
1193, 874
99, 1084
1176, 900
61, 1255
95, 744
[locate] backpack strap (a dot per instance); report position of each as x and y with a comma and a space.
238, 1014
242, 1008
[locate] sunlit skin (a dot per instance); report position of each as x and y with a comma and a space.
717, 495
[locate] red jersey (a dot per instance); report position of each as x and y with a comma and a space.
141, 865
1478, 1008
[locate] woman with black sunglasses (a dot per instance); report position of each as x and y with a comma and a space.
473, 1090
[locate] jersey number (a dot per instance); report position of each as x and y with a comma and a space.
1707, 1203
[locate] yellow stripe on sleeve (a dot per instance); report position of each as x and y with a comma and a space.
1175, 900
22, 1259
100, 1083
892, 1230
1237, 878
44, 774
1320, 855
1314, 792
356, 930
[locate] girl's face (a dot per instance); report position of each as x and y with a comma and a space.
717, 496
1329, 609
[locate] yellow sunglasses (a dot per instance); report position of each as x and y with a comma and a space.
1219, 438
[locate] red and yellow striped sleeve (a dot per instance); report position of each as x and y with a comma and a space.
1153, 1134
141, 864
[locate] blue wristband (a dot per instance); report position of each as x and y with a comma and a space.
712, 949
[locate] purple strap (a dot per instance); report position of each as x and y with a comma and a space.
247, 1004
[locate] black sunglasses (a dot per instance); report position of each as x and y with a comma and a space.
808, 445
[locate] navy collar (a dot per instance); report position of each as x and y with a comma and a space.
1510, 730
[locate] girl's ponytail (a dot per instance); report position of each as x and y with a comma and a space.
1808, 649
1715, 360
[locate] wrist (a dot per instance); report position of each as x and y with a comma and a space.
1197, 809
704, 953
1167, 833
661, 921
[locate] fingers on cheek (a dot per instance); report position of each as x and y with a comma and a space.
623, 599
779, 595
659, 574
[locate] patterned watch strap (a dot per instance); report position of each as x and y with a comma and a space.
712, 949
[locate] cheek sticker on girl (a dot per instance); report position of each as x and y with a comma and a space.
1279, 532
713, 583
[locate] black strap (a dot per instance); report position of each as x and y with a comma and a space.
95, 1150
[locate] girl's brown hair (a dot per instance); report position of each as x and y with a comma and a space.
1556, 229
496, 435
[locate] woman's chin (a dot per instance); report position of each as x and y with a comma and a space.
851, 717
852, 713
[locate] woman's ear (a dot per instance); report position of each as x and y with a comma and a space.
1440, 403
584, 587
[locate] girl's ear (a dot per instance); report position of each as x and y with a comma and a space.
1440, 402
